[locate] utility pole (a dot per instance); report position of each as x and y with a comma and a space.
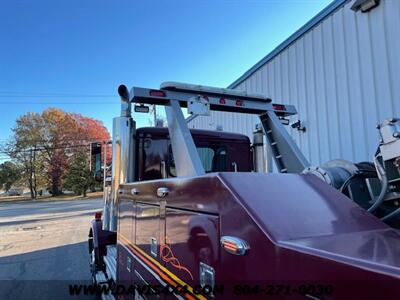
31, 174
34, 172
154, 116
105, 166
90, 156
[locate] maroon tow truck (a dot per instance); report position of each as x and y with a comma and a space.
191, 214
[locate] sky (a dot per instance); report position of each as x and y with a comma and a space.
73, 54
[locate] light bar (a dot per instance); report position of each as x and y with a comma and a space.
217, 99
186, 87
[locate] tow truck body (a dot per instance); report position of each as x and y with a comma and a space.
193, 210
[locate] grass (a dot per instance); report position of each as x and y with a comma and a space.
64, 197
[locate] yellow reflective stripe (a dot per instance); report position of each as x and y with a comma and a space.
165, 270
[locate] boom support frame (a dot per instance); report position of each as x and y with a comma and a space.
173, 96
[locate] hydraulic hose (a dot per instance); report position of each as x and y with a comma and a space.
391, 215
364, 170
384, 183
347, 182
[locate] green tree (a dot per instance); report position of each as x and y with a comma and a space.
78, 177
10, 173
22, 148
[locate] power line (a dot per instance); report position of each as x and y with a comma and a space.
87, 141
34, 94
90, 139
44, 149
6, 155
59, 103
14, 94
65, 140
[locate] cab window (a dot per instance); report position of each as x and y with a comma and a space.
213, 158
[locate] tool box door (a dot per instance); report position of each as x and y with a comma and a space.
147, 234
191, 242
126, 231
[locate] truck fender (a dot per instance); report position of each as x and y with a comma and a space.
101, 238
200, 224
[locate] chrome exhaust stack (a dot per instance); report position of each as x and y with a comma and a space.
262, 159
123, 93
258, 150
123, 158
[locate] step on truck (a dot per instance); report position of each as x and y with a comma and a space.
192, 214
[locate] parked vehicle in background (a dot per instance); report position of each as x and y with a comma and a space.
15, 192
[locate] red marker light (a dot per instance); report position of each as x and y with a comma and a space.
157, 93
279, 107
239, 103
222, 101
97, 215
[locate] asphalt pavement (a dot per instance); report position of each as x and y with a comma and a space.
43, 247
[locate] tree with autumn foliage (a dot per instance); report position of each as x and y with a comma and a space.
93, 131
45, 145
58, 133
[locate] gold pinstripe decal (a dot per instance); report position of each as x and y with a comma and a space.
158, 265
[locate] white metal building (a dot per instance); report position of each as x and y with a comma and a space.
342, 72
